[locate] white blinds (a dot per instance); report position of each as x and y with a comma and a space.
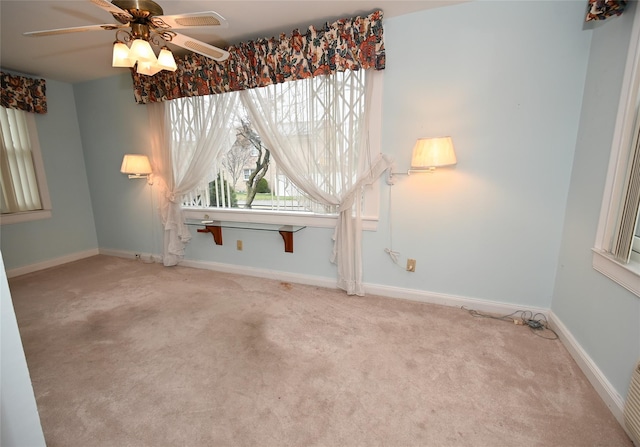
17, 173
631, 203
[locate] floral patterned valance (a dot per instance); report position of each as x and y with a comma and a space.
19, 92
603, 9
348, 44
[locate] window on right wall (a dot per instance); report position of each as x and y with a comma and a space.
617, 247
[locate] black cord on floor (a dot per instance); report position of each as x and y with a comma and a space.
536, 322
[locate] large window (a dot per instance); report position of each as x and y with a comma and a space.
24, 192
319, 116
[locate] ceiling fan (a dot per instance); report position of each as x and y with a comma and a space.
148, 25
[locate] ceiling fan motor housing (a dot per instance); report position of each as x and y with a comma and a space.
141, 10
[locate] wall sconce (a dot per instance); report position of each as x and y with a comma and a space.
429, 154
137, 166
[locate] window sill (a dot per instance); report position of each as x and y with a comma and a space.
27, 216
627, 275
273, 217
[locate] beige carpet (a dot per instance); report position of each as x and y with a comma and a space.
123, 353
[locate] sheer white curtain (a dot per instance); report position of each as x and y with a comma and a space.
317, 131
189, 134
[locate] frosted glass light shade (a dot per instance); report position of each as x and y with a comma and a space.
148, 68
430, 153
121, 55
137, 166
141, 51
166, 60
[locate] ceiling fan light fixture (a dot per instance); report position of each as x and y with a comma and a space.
148, 25
121, 55
166, 60
141, 51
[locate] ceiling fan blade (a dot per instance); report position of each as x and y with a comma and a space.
76, 29
207, 18
119, 14
199, 47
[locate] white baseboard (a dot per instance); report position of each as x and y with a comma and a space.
117, 253
373, 289
18, 271
147, 257
598, 380
482, 305
310, 280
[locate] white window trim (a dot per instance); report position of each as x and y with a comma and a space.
627, 275
369, 223
38, 165
370, 213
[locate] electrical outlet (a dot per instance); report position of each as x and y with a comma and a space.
411, 265
239, 245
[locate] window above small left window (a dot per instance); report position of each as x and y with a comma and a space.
25, 196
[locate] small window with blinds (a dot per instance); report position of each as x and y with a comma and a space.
627, 231
24, 194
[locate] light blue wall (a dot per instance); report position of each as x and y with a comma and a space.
71, 229
505, 80
602, 316
111, 125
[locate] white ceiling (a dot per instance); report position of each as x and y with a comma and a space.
79, 57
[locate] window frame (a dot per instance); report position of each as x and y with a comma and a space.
43, 189
370, 213
627, 275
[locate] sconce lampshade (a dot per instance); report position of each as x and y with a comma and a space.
430, 153
137, 166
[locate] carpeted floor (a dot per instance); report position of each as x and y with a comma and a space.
123, 353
